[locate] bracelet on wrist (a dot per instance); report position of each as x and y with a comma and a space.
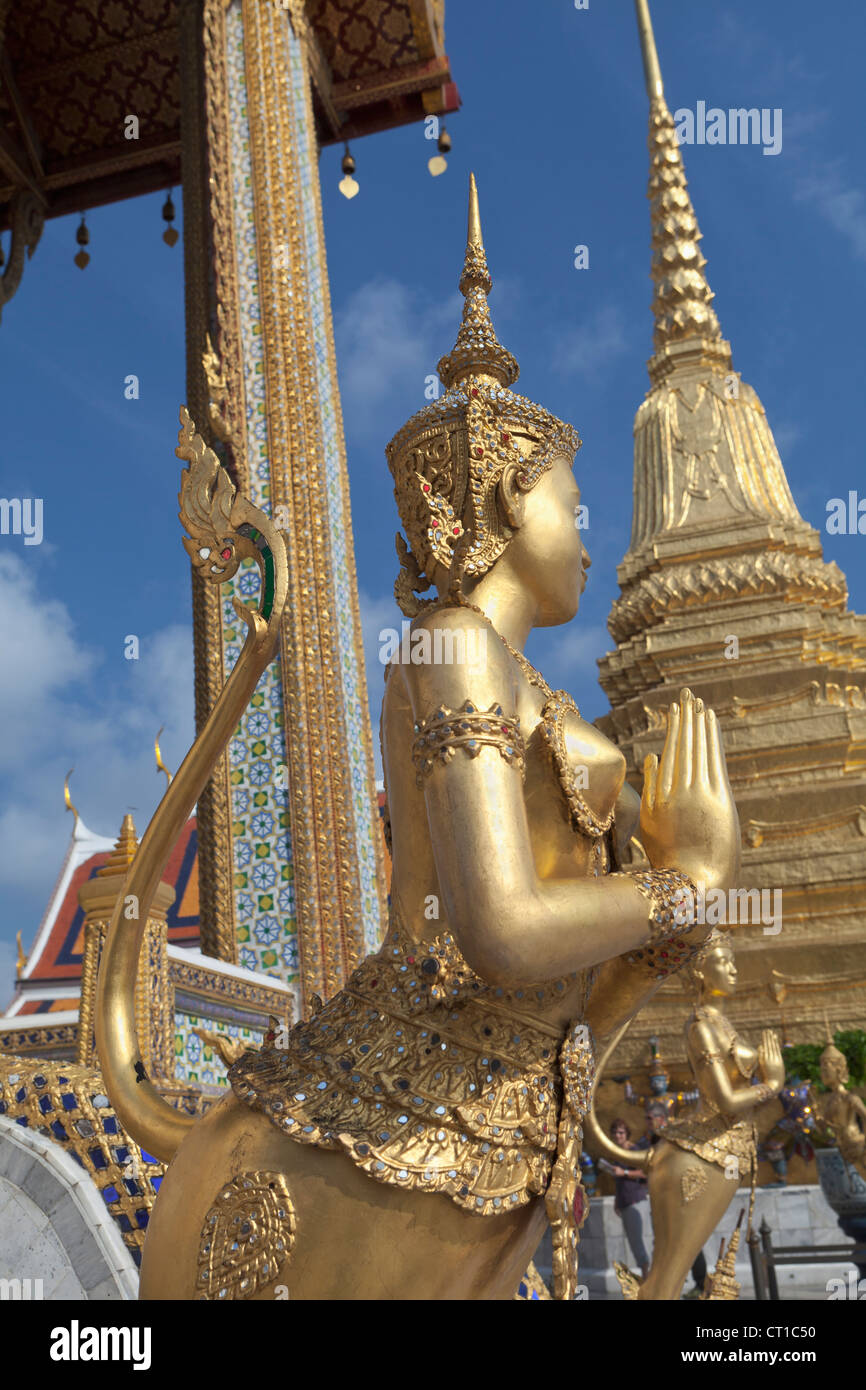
672, 941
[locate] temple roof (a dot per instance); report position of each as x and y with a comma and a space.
73, 70
50, 981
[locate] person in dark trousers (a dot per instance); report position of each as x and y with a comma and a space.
631, 1193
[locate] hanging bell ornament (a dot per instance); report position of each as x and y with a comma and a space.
169, 236
347, 185
82, 236
438, 164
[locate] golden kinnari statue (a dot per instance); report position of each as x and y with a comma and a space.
412, 1138
842, 1111
700, 1160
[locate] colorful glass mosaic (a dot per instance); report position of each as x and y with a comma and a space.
67, 1104
261, 831
340, 522
261, 827
198, 1061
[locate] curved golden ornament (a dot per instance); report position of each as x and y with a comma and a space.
246, 1238
628, 1282
224, 528
626, 1158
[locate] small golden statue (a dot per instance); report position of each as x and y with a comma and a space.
842, 1112
414, 1136
700, 1161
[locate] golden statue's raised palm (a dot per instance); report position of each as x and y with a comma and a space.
688, 819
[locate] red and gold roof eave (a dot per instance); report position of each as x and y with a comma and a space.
69, 70
55, 960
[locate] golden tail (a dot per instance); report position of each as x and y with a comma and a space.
626, 1158
225, 529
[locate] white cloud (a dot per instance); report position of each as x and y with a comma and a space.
577, 648
591, 346
41, 657
843, 205
786, 435
8, 957
64, 704
388, 343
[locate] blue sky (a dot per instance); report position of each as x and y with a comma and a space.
554, 125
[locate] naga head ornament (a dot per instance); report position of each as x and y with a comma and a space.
447, 461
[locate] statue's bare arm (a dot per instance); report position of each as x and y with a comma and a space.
716, 1086
513, 927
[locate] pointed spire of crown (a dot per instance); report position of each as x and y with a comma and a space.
651, 70
477, 351
124, 851
682, 305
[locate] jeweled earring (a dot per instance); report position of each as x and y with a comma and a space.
169, 236
348, 186
82, 236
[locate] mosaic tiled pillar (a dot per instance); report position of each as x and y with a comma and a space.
307, 886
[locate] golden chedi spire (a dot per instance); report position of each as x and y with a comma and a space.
682, 305
125, 849
725, 586
705, 458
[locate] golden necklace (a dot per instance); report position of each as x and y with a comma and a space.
558, 705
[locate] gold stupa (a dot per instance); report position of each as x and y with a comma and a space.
724, 587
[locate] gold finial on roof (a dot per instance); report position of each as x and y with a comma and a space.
477, 351
160, 765
68, 799
124, 851
682, 304
651, 69
22, 958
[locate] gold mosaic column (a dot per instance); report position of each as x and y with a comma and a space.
290, 854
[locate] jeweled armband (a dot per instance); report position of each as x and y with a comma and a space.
762, 1093
438, 737
671, 943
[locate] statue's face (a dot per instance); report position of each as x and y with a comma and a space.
833, 1072
719, 971
658, 1084
547, 551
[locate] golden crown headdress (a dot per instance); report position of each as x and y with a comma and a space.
831, 1052
448, 459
